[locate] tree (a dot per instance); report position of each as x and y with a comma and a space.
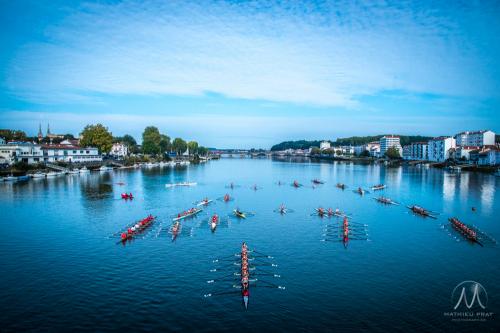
97, 136
329, 151
392, 153
202, 151
179, 146
165, 144
151, 138
12, 135
69, 136
315, 151
338, 152
193, 147
364, 153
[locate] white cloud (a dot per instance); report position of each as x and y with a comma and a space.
299, 54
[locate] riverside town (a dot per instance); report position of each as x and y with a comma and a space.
22, 156
249, 166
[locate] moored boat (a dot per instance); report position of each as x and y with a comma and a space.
38, 175
10, 178
84, 170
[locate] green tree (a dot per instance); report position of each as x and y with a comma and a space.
12, 135
151, 138
329, 151
179, 146
315, 151
364, 153
68, 136
338, 152
165, 144
202, 151
97, 136
193, 147
392, 153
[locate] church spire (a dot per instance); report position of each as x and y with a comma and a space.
48, 129
40, 134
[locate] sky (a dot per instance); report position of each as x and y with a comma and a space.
237, 74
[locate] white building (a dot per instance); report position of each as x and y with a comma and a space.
324, 145
463, 152
489, 156
67, 153
2, 141
26, 152
475, 138
119, 149
389, 141
439, 148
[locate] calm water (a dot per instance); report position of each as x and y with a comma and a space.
62, 270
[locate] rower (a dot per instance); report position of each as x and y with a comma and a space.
330, 212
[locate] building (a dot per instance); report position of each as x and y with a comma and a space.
489, 156
463, 152
407, 152
324, 145
14, 152
419, 151
119, 149
2, 141
475, 138
439, 148
389, 141
71, 154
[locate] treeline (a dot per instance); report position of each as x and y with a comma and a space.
301, 144
350, 141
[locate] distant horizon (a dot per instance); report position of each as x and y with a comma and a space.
250, 74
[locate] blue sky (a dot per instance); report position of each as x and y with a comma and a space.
250, 74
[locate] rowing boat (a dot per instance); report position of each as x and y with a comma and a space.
137, 228
180, 184
378, 187
360, 191
471, 232
296, 184
464, 229
175, 229
214, 221
191, 212
341, 186
204, 202
239, 214
421, 211
317, 181
247, 274
386, 201
320, 211
345, 232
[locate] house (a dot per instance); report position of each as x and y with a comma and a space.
2, 141
489, 156
439, 148
463, 152
475, 138
119, 149
324, 145
68, 153
14, 152
389, 141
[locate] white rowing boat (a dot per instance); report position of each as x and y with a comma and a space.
180, 184
193, 213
